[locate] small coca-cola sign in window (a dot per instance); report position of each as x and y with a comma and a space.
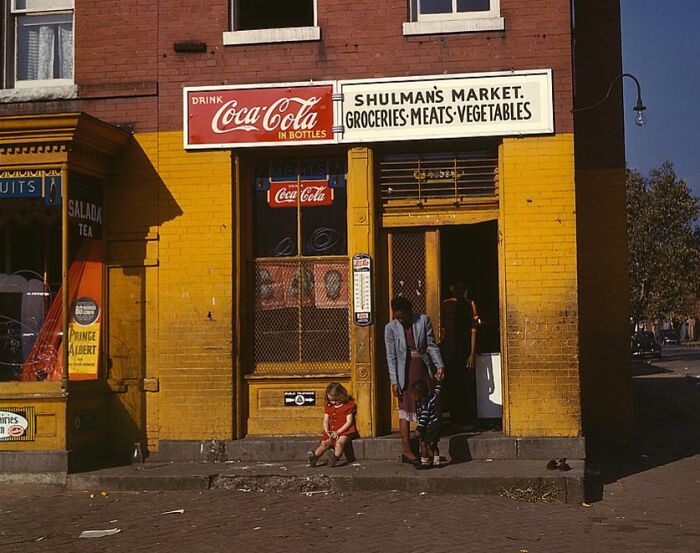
313, 193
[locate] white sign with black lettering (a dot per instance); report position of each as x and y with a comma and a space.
448, 106
362, 289
299, 399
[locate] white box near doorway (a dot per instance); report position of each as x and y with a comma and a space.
489, 400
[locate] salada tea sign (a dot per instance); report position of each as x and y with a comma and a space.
85, 282
447, 106
258, 115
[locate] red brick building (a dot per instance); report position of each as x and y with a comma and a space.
203, 310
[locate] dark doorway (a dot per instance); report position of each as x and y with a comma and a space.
469, 254
469, 259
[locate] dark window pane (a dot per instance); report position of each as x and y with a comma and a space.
325, 335
323, 207
323, 228
44, 47
435, 6
273, 14
473, 5
275, 227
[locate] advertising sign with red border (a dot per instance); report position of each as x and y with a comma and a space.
17, 424
258, 115
313, 193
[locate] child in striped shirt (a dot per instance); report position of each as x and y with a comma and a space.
429, 422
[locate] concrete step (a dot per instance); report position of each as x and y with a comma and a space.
528, 480
459, 446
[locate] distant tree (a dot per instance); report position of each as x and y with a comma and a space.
664, 245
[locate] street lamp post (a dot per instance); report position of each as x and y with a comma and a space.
640, 117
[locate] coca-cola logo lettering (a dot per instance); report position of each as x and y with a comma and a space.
282, 115
251, 116
284, 194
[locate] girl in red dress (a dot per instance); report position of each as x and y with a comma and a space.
338, 424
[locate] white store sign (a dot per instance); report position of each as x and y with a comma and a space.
447, 106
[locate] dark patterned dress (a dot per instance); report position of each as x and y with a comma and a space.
415, 371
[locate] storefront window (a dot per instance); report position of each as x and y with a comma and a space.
32, 341
301, 267
30, 274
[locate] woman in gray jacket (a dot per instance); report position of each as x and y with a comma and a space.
411, 353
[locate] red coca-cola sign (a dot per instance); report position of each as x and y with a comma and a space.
313, 193
233, 117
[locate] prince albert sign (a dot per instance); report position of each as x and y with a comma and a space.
330, 112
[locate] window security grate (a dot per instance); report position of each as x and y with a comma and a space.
437, 177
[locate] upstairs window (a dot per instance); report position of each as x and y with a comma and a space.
38, 40
450, 9
453, 16
272, 14
262, 21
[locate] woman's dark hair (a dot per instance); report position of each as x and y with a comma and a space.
400, 303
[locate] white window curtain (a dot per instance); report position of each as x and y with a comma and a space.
45, 47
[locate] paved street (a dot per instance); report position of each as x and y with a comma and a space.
651, 503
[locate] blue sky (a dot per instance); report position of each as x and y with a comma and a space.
661, 46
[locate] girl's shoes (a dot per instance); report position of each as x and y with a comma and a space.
311, 458
332, 459
425, 464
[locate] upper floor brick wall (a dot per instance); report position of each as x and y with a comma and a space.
125, 49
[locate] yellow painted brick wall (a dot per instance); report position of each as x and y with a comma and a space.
538, 229
132, 221
195, 293
174, 208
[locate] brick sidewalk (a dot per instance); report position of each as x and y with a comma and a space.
651, 503
655, 510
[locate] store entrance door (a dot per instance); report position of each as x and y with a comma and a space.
425, 264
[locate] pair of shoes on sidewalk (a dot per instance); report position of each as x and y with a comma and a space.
426, 463
313, 459
558, 464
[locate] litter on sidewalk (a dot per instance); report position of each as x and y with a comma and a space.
99, 533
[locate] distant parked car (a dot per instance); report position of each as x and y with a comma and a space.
645, 344
670, 337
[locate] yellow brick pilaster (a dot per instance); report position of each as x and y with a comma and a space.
538, 260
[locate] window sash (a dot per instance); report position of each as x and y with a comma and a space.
493, 11
35, 6
235, 19
44, 48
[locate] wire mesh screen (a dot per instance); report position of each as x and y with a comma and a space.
301, 314
408, 267
452, 176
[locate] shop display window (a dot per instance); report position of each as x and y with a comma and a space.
32, 338
301, 265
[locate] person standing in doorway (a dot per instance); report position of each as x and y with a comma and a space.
411, 353
459, 321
